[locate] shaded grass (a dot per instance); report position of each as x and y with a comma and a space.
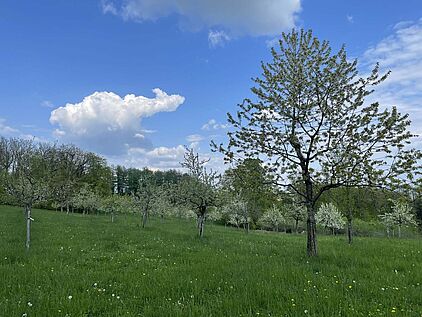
120, 269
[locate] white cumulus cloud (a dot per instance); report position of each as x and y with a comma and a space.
237, 17
108, 123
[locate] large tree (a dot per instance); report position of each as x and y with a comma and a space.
311, 124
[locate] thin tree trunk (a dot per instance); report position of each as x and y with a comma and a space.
28, 226
67, 208
296, 225
144, 219
399, 231
112, 217
349, 228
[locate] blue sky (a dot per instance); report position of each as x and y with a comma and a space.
201, 57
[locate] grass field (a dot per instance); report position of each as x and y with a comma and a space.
87, 266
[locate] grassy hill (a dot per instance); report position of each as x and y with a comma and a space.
87, 266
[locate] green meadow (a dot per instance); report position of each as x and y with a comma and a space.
87, 266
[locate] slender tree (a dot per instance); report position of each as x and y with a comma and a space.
144, 197
198, 189
311, 125
27, 167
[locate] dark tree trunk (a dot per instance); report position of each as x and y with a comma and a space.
28, 226
201, 226
311, 246
296, 225
349, 228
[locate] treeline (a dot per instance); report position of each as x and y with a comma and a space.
68, 179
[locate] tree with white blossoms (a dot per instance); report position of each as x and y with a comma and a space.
296, 212
116, 204
239, 213
198, 191
402, 215
26, 168
387, 220
86, 200
161, 204
330, 217
310, 124
273, 218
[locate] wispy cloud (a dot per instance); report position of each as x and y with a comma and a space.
217, 38
47, 104
212, 124
236, 17
401, 52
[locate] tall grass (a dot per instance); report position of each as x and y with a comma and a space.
87, 266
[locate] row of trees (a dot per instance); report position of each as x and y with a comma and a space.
66, 178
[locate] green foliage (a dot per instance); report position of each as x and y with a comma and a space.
250, 180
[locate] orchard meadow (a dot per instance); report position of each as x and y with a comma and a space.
85, 265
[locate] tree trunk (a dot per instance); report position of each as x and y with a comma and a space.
61, 208
201, 225
311, 246
201, 219
112, 217
144, 219
349, 228
67, 208
296, 225
28, 226
399, 231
